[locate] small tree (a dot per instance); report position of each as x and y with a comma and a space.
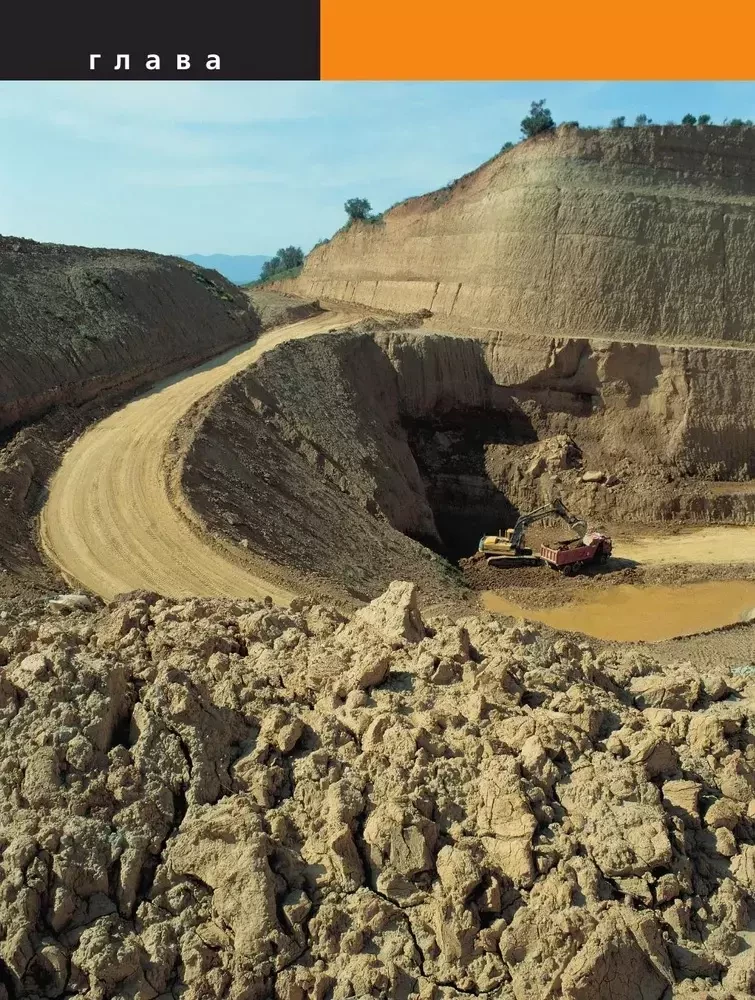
286, 259
269, 268
703, 119
570, 124
507, 145
736, 122
357, 208
642, 120
290, 257
538, 120
689, 120
619, 122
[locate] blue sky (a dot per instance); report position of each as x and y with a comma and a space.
246, 167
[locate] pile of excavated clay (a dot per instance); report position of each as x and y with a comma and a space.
219, 798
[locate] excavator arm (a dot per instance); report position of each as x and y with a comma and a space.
540, 514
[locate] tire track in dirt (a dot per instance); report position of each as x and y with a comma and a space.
110, 524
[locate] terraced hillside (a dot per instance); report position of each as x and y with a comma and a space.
634, 234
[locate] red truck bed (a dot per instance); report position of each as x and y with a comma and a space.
564, 556
578, 550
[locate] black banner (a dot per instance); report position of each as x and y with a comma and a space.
279, 40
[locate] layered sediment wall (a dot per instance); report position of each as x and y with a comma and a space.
76, 322
635, 234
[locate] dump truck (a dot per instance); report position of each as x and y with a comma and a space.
508, 548
573, 554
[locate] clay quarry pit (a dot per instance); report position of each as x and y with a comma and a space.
268, 732
405, 436
390, 449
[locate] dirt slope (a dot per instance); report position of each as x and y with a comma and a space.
636, 234
109, 522
304, 460
76, 322
226, 801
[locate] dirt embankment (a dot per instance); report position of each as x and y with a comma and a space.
335, 456
76, 323
278, 309
637, 234
81, 330
220, 799
303, 460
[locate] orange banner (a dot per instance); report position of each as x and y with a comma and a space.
493, 40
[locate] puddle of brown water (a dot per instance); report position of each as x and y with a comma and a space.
630, 613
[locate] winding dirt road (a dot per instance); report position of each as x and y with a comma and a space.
109, 523
113, 522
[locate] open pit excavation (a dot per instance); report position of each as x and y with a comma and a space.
353, 457
284, 745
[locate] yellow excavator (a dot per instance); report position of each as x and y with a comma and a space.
507, 548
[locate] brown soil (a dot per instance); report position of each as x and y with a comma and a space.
221, 799
78, 323
277, 309
204, 795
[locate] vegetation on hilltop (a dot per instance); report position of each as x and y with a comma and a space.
288, 262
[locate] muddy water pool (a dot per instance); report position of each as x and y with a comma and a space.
650, 613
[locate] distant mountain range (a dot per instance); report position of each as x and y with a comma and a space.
239, 268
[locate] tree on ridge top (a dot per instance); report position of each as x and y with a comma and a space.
357, 208
538, 120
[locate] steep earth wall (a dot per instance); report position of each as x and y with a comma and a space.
303, 459
77, 322
332, 450
637, 234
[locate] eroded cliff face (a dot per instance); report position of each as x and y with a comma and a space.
637, 234
76, 323
335, 456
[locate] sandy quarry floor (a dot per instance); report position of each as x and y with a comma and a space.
109, 522
720, 544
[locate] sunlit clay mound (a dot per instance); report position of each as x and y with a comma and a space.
218, 798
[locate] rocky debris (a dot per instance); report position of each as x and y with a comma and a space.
66, 603
227, 799
593, 476
552, 455
394, 616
